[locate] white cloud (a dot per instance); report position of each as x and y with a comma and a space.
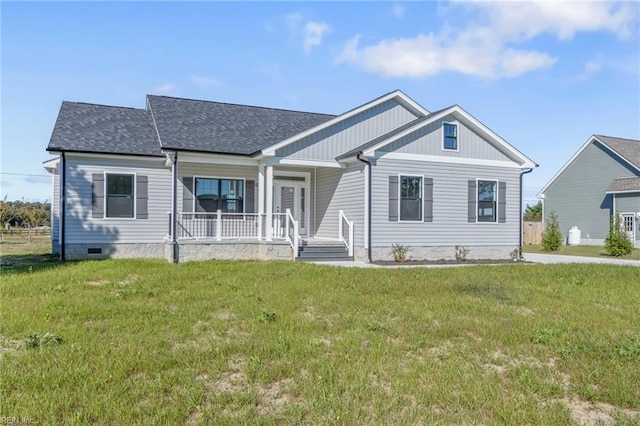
294, 21
398, 11
165, 89
204, 82
486, 47
314, 32
591, 68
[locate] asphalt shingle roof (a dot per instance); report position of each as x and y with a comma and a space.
624, 185
629, 149
193, 125
107, 129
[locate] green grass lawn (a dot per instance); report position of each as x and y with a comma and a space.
590, 251
219, 342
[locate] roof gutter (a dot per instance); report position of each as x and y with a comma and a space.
524, 172
367, 197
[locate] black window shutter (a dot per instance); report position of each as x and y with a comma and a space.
142, 197
472, 211
187, 194
502, 202
97, 195
249, 197
393, 198
428, 199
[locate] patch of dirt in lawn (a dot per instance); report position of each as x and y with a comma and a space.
130, 279
97, 283
587, 413
272, 397
8, 346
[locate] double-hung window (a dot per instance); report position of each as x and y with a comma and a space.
487, 200
212, 194
450, 136
411, 198
120, 195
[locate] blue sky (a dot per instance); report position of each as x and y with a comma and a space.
543, 75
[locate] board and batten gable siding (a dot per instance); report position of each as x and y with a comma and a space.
350, 133
450, 225
189, 170
340, 189
82, 227
578, 195
429, 141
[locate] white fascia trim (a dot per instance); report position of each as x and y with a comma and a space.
99, 156
398, 95
449, 160
629, 191
52, 165
526, 162
308, 163
203, 158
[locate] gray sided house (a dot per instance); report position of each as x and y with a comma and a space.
603, 177
188, 179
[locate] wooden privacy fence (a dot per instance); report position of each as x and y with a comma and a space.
532, 233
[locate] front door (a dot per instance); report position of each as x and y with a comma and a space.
292, 195
629, 225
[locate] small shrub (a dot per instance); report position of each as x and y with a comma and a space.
516, 254
461, 253
617, 242
552, 237
399, 253
267, 315
37, 340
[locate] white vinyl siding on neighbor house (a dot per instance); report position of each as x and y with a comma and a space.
429, 141
55, 208
340, 189
351, 133
450, 224
82, 227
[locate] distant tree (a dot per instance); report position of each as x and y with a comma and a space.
617, 242
8, 213
552, 237
533, 213
34, 215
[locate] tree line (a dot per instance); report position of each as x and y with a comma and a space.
20, 214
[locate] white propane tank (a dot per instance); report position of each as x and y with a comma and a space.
574, 236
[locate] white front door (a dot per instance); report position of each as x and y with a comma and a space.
629, 225
293, 195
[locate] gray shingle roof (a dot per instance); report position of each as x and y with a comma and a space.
107, 129
624, 185
629, 149
194, 125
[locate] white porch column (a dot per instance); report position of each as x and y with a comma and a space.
269, 204
260, 200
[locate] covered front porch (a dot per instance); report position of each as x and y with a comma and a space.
261, 210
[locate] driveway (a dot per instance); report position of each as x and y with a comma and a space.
557, 258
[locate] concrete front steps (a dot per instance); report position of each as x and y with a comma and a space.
323, 251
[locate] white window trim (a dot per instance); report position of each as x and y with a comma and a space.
497, 198
135, 195
244, 189
400, 176
452, 123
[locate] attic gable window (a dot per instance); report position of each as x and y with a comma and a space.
450, 137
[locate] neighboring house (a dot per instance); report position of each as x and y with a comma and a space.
602, 178
188, 179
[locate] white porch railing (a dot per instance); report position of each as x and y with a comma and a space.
345, 232
218, 225
236, 226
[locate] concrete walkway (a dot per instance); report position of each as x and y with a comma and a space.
529, 257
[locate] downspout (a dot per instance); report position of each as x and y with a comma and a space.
63, 203
368, 230
521, 212
174, 207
